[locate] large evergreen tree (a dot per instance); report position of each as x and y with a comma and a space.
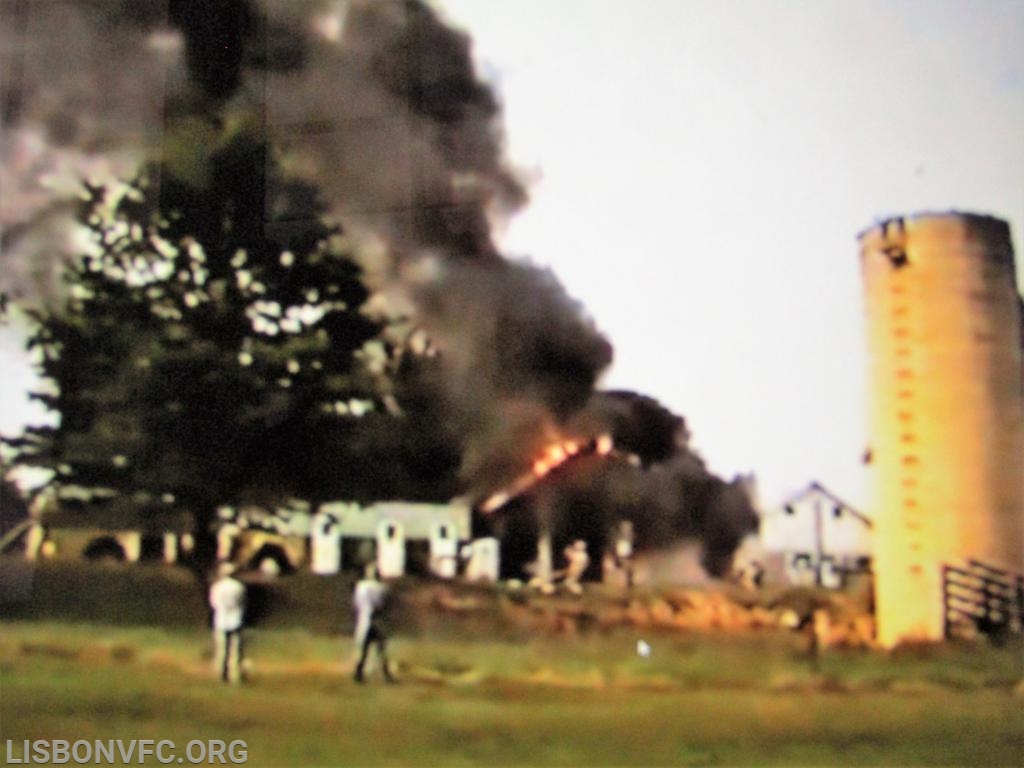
212, 347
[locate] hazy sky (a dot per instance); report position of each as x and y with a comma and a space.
703, 169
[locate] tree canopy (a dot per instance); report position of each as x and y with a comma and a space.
214, 349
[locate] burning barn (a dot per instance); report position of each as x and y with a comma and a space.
643, 503
533, 520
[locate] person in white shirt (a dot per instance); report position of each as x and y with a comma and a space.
227, 600
578, 562
369, 599
623, 553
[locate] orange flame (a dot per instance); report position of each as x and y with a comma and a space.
553, 457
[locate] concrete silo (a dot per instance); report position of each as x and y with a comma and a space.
947, 410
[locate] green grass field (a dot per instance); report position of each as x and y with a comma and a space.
588, 700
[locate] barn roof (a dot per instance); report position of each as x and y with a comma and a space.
817, 489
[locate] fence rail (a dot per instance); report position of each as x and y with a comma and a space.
982, 598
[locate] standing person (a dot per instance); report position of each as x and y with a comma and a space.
227, 599
369, 599
624, 551
578, 561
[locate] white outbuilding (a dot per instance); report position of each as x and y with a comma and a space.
816, 539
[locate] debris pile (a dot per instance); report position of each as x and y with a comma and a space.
826, 620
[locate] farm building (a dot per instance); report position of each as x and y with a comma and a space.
418, 537
404, 535
115, 528
815, 539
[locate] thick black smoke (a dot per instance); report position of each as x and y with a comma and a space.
414, 147
377, 100
639, 425
679, 498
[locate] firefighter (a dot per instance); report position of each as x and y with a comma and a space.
578, 561
623, 552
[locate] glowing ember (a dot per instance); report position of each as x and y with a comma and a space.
557, 454
496, 501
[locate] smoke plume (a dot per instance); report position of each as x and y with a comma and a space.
413, 144
375, 101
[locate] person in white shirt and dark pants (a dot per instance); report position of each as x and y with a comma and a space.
227, 600
369, 599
